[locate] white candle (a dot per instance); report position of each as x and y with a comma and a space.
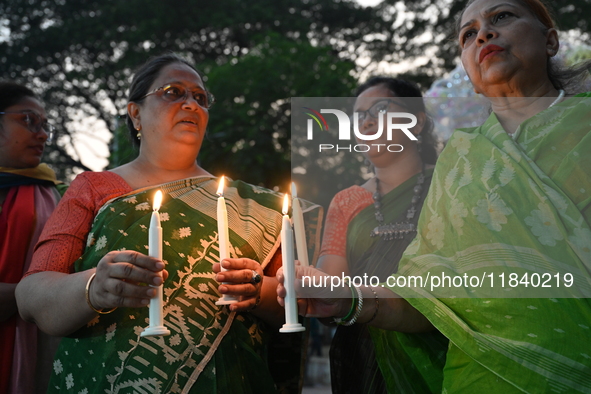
156, 326
298, 227
223, 238
291, 312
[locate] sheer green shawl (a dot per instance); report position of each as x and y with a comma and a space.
502, 205
409, 355
209, 350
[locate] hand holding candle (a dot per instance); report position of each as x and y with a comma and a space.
156, 326
298, 227
223, 238
291, 313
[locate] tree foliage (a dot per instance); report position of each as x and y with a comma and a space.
80, 55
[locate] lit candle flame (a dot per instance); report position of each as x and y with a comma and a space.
294, 191
221, 187
285, 204
157, 200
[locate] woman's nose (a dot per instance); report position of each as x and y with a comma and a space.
485, 34
42, 134
367, 123
190, 103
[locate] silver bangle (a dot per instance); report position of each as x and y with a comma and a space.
357, 310
375, 313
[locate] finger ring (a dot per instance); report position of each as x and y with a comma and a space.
256, 278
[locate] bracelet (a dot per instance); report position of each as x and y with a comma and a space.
88, 297
258, 301
340, 320
357, 310
377, 306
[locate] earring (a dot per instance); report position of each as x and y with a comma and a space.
370, 167
138, 135
419, 143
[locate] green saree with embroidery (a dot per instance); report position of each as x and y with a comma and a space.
209, 350
502, 205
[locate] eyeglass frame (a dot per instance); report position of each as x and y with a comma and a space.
210, 97
368, 111
49, 129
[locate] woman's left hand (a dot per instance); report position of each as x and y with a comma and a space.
244, 279
315, 301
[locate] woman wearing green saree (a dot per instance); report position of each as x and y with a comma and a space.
509, 199
350, 246
90, 270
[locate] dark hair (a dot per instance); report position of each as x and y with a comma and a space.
561, 77
12, 93
144, 77
403, 88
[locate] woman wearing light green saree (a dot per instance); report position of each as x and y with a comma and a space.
507, 218
88, 281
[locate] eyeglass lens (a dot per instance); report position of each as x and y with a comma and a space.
35, 123
375, 110
175, 93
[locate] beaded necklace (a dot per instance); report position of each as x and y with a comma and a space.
397, 230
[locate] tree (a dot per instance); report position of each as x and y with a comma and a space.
255, 141
80, 56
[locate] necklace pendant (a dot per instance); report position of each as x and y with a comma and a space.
388, 232
398, 230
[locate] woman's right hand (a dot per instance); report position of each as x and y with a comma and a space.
121, 279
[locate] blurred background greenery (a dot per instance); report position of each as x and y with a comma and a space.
80, 56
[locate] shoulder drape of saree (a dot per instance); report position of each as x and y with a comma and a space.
210, 349
367, 359
24, 365
502, 206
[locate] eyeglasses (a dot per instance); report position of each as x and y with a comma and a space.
379, 108
175, 92
35, 123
